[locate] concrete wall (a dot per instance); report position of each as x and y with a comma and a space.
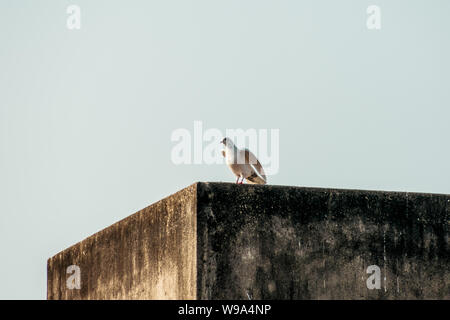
221, 240
275, 242
149, 255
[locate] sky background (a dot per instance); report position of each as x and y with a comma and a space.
86, 116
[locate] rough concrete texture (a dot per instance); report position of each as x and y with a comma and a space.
227, 241
274, 242
149, 255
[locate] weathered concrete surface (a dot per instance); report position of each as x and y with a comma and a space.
149, 255
221, 240
275, 242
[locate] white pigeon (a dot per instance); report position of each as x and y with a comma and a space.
243, 163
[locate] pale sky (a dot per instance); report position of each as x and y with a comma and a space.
86, 116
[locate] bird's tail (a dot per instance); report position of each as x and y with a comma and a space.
257, 179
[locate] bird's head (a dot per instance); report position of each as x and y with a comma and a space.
227, 142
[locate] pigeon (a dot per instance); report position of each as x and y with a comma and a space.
243, 163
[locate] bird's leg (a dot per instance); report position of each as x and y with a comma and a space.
242, 180
237, 180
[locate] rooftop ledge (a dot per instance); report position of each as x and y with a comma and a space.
226, 241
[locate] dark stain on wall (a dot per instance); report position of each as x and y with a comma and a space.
277, 242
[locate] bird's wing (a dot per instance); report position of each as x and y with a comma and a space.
251, 159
